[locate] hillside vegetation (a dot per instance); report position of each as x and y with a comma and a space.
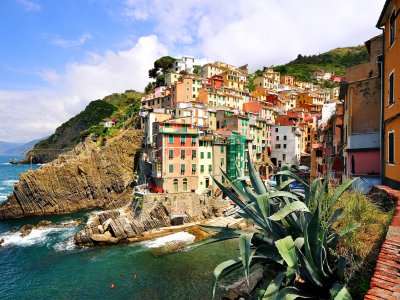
335, 61
115, 107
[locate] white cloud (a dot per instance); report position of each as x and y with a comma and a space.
259, 32
29, 5
72, 43
49, 75
35, 114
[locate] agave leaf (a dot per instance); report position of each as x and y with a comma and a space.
279, 194
245, 252
248, 214
343, 294
284, 185
273, 287
224, 269
340, 190
341, 265
288, 209
287, 250
255, 179
222, 229
336, 215
294, 176
333, 240
269, 252
308, 269
291, 293
263, 204
214, 239
314, 188
238, 189
349, 228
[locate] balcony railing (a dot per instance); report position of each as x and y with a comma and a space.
179, 130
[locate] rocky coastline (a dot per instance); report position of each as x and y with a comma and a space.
123, 225
87, 177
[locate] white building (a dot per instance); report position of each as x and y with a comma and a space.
205, 166
186, 63
286, 145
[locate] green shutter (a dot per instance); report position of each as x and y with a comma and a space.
171, 168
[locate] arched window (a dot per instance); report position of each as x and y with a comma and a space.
175, 185
185, 185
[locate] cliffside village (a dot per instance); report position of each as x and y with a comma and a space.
198, 124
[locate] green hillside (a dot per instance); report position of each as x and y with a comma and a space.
335, 61
70, 133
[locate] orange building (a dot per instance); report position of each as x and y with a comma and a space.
390, 23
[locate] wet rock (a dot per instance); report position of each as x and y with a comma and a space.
106, 238
44, 223
1, 242
26, 229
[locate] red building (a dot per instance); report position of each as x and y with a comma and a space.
176, 156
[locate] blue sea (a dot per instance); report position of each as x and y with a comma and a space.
47, 265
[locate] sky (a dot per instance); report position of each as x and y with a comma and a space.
58, 55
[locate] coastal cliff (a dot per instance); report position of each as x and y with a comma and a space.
87, 177
115, 107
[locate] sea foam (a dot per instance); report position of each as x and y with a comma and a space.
171, 239
37, 236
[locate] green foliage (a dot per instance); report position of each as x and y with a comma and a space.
295, 235
88, 121
336, 61
162, 66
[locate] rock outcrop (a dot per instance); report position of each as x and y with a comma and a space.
123, 226
86, 177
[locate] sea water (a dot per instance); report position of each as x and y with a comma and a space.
47, 265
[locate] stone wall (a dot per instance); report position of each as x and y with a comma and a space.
385, 283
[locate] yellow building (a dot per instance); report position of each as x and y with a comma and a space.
390, 156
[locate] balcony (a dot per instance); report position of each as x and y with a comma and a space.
179, 130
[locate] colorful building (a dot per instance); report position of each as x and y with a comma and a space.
175, 158
390, 126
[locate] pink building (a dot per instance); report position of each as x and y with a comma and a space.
175, 167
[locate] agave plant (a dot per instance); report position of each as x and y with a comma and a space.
299, 240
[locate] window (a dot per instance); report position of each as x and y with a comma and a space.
193, 140
193, 154
284, 156
183, 139
222, 149
284, 137
208, 155
209, 168
278, 146
193, 169
175, 185
183, 167
171, 168
183, 154
391, 148
201, 155
201, 168
392, 31
277, 137
276, 129
222, 161
391, 88
171, 154
171, 139
185, 185
284, 146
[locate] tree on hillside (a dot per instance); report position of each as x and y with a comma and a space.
162, 65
